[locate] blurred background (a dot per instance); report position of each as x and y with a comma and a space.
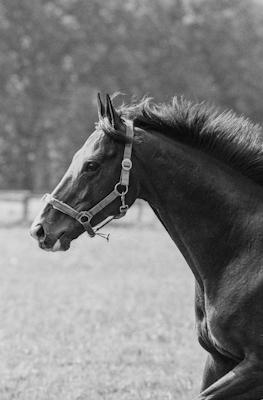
56, 55
104, 321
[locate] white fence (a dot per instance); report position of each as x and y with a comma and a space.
20, 207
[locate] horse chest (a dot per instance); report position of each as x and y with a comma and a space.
221, 337
213, 333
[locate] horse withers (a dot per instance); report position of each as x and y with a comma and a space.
201, 171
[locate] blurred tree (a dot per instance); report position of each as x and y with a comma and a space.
55, 55
33, 46
227, 37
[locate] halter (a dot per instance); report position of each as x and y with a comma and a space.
120, 190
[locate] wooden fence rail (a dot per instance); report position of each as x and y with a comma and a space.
19, 196
27, 204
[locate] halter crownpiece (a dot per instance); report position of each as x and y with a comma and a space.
120, 190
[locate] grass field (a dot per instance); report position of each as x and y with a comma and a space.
105, 320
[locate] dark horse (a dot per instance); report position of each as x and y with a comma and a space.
202, 174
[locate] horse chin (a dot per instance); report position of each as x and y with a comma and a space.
64, 241
62, 244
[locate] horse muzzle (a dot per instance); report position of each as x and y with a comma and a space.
49, 242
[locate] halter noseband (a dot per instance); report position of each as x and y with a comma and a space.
120, 190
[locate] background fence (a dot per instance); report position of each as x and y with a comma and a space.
21, 206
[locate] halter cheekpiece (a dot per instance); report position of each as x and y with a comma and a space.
120, 190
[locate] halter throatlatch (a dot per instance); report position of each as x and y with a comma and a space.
120, 190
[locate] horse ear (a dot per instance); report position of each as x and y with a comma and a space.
112, 114
101, 107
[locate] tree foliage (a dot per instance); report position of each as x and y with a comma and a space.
56, 55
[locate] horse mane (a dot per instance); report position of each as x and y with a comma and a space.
232, 139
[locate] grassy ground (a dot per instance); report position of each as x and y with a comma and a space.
102, 321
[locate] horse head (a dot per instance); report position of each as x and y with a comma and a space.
99, 183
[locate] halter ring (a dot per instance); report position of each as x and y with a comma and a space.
84, 217
116, 189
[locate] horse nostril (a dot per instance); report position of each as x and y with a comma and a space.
37, 232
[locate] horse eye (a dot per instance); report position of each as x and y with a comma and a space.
90, 166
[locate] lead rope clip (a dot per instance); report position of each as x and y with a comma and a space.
104, 236
124, 207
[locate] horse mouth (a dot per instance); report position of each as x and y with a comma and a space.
61, 244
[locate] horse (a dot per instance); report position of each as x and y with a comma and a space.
201, 171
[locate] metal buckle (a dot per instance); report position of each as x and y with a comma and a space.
47, 198
126, 164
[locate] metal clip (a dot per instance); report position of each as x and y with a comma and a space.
104, 235
124, 207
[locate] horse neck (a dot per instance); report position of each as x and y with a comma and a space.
209, 210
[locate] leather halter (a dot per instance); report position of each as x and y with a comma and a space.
120, 190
